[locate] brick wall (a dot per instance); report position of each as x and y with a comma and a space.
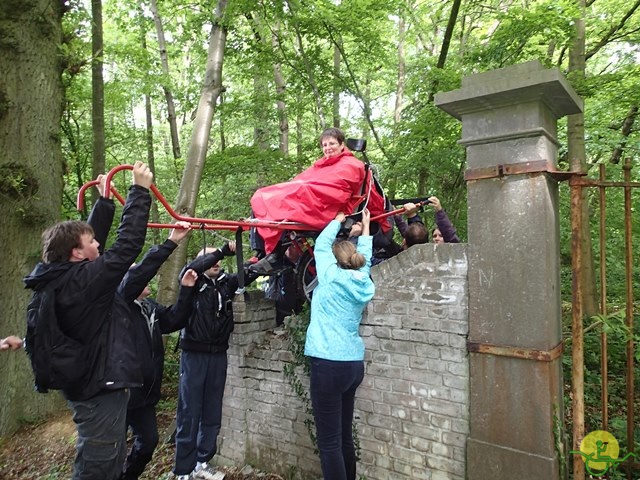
412, 407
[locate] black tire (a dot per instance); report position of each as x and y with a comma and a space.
306, 279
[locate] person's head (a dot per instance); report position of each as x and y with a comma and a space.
214, 271
347, 255
416, 234
332, 142
69, 241
436, 236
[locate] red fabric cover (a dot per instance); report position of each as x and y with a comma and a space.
315, 196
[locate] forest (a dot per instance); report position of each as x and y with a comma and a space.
221, 97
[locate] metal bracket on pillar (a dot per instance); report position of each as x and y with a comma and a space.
520, 168
516, 352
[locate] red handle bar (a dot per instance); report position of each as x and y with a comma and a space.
205, 223
394, 212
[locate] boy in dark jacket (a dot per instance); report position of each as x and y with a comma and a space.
151, 321
90, 311
203, 364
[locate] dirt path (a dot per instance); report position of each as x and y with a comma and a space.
45, 451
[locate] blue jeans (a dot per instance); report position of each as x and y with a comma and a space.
333, 390
199, 414
101, 422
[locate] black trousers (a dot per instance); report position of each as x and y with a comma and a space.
144, 427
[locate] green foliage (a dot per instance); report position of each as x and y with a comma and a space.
525, 32
618, 335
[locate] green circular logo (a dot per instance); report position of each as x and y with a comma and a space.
599, 448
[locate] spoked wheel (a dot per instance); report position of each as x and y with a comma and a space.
306, 278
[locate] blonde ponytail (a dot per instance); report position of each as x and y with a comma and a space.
347, 255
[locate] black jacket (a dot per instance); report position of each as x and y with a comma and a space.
89, 308
152, 320
211, 322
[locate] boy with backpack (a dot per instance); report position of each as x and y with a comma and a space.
150, 321
91, 313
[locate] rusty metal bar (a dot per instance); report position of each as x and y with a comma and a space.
516, 352
577, 344
501, 170
629, 310
592, 182
604, 365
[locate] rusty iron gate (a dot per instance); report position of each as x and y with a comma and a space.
627, 463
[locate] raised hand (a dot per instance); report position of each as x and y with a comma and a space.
366, 220
180, 231
410, 209
105, 191
189, 278
435, 203
12, 342
142, 175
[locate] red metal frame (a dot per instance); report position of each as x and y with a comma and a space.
205, 223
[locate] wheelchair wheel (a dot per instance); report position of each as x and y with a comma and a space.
306, 279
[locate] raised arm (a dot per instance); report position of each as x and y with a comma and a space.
141, 274
443, 223
175, 317
365, 241
323, 251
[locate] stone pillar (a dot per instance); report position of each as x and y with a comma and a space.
509, 128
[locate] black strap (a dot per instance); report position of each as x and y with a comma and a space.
239, 261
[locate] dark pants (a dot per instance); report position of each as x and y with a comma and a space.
144, 427
199, 415
333, 390
102, 442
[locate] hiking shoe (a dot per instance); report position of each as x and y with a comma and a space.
185, 477
266, 266
207, 472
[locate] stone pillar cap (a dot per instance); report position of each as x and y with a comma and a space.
512, 85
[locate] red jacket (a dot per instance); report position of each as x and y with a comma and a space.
315, 196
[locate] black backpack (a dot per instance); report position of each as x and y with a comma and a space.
58, 361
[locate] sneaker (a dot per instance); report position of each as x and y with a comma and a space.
185, 477
207, 472
269, 265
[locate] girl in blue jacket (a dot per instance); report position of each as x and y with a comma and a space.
334, 344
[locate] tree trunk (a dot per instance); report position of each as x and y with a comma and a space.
192, 175
392, 183
97, 89
164, 60
627, 128
311, 79
261, 101
151, 161
31, 169
281, 87
336, 87
446, 41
